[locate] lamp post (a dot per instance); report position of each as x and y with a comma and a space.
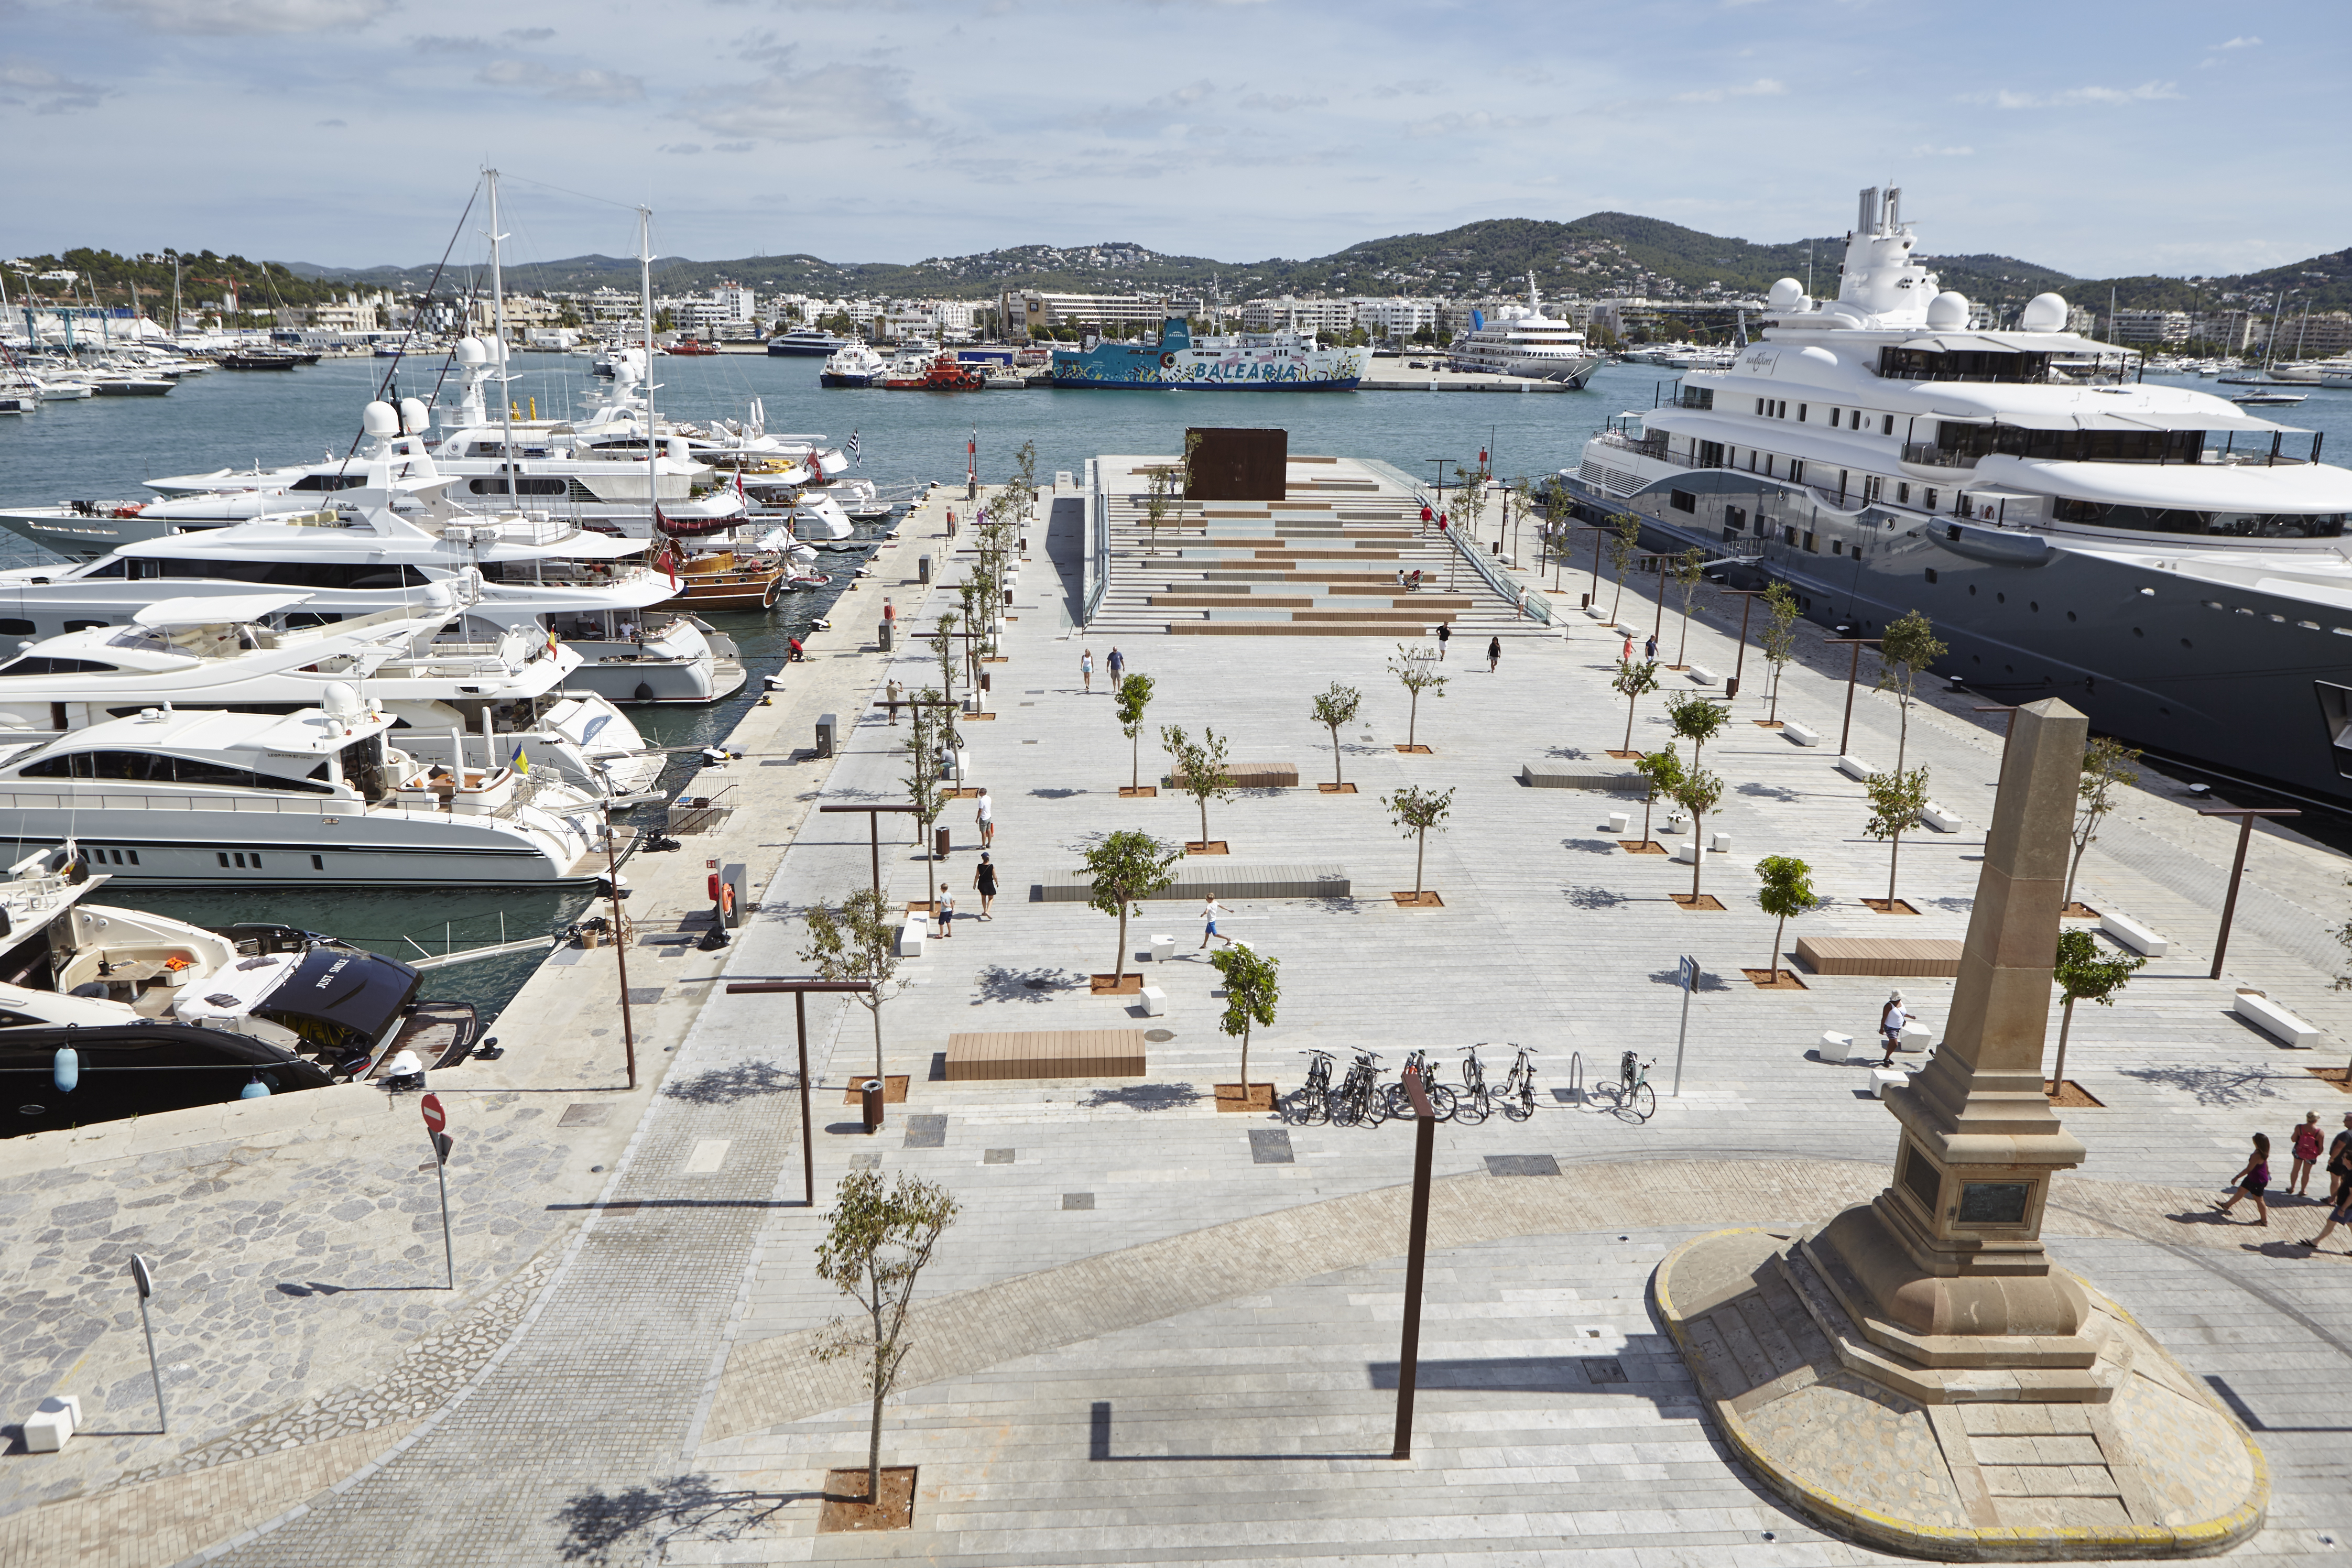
144, 1278
1747, 597
1858, 644
800, 990
2245, 815
620, 940
874, 829
1424, 1148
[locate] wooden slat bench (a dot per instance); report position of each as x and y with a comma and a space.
1894, 956
1251, 776
1045, 1053
1579, 775
1197, 877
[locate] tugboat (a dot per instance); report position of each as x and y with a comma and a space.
942, 372
1252, 362
690, 348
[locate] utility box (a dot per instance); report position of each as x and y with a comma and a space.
882, 633
827, 724
922, 568
1238, 465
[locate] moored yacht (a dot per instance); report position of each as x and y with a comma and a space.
1523, 340
2173, 566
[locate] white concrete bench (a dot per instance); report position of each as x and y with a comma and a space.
910, 938
1702, 676
1155, 1002
1837, 1047
1596, 612
1620, 822
1721, 842
1854, 768
1686, 851
48, 1427
1164, 949
1797, 735
1915, 1038
2276, 1021
1939, 818
2134, 935
1884, 1078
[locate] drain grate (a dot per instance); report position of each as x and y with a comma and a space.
1604, 1369
1522, 1165
1271, 1146
927, 1131
1078, 1200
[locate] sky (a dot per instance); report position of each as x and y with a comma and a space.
2098, 138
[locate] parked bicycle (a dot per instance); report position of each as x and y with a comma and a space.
1633, 1088
1441, 1098
1310, 1102
1516, 1099
1360, 1101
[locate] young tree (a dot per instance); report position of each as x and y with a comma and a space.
2085, 974
1785, 889
1904, 653
943, 641
1125, 866
858, 941
1634, 679
2106, 767
1896, 801
922, 749
1335, 710
1199, 769
1133, 696
1415, 811
1417, 674
1697, 792
876, 1243
1625, 544
1696, 720
1687, 575
1159, 485
1664, 771
1251, 993
1469, 501
1778, 638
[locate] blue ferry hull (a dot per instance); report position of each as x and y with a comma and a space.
1279, 363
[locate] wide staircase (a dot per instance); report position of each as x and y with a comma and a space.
1323, 561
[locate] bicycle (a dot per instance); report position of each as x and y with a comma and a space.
1633, 1090
1310, 1102
1518, 1094
1441, 1098
1360, 1101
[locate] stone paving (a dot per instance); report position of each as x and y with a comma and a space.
613, 1422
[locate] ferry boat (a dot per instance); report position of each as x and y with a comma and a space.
2172, 565
852, 364
1523, 340
1252, 362
812, 343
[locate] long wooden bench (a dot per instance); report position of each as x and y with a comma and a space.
1579, 775
1895, 957
1199, 876
1251, 776
1045, 1053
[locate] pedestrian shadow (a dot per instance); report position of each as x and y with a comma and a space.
1770, 792
1056, 793
999, 983
727, 1085
1569, 753
2213, 1216
598, 1525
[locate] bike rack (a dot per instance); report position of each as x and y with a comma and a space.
1576, 1078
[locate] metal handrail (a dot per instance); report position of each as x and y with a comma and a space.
1098, 524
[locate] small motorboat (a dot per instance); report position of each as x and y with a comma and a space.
2268, 399
691, 347
728, 580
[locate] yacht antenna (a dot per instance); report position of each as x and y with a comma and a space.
645, 304
498, 326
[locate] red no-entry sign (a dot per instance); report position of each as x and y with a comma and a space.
435, 1118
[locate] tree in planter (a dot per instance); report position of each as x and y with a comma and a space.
1159, 485
1133, 696
1251, 993
1335, 710
1697, 792
1415, 811
1469, 504
1125, 866
1778, 638
2085, 974
1696, 720
1417, 674
858, 941
1785, 889
1664, 771
1634, 679
922, 750
943, 641
1199, 769
1904, 653
1687, 575
1896, 801
1625, 544
876, 1243
2107, 766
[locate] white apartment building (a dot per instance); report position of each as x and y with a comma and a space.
1293, 314
1398, 316
1022, 310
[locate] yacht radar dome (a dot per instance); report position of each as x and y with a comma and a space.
380, 419
342, 702
1787, 294
2043, 313
1947, 312
413, 415
470, 353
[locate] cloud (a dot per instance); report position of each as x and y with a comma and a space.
681, 149
1281, 103
1943, 151
330, 124
2244, 42
1458, 124
28, 84
785, 105
1184, 97
607, 87
2075, 96
448, 44
528, 35
731, 146
2219, 54
235, 17
1762, 87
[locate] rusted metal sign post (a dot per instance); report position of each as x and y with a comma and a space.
800, 990
2245, 815
1424, 1151
1858, 644
874, 831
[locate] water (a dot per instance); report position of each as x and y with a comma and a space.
102, 447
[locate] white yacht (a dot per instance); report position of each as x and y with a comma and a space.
1523, 340
852, 365
315, 797
2173, 566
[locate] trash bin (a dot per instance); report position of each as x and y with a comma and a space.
869, 1104
922, 568
1731, 686
826, 725
938, 843
983, 680
882, 633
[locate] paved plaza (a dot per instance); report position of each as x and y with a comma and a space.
1158, 1332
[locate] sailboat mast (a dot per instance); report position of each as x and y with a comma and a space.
498, 325
646, 305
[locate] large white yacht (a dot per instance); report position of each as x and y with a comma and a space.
1523, 340
2173, 565
315, 797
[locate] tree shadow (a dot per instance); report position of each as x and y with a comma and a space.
597, 1524
999, 983
1335, 905
1571, 754
2214, 1085
1145, 1096
1056, 793
1770, 792
1957, 906
727, 1085
848, 793
1707, 979
1590, 846
1594, 898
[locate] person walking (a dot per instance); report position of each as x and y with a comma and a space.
1116, 665
2339, 1163
1890, 1027
1650, 647
984, 816
947, 914
1209, 913
1626, 655
2335, 1217
1425, 516
2250, 1181
983, 882
2304, 1145
1086, 668
1445, 635
1494, 655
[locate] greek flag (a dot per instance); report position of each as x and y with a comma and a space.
853, 448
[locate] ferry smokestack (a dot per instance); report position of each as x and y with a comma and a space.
1868, 223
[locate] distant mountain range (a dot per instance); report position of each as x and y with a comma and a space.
1606, 253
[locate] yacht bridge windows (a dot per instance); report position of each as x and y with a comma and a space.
1961, 364
2183, 519
1958, 446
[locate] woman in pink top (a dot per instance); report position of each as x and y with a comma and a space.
2305, 1145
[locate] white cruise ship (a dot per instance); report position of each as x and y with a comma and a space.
2175, 566
1523, 340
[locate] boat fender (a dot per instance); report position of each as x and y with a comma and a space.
644, 692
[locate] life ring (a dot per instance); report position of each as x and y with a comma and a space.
1167, 361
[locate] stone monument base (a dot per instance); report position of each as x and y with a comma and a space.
2129, 1457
